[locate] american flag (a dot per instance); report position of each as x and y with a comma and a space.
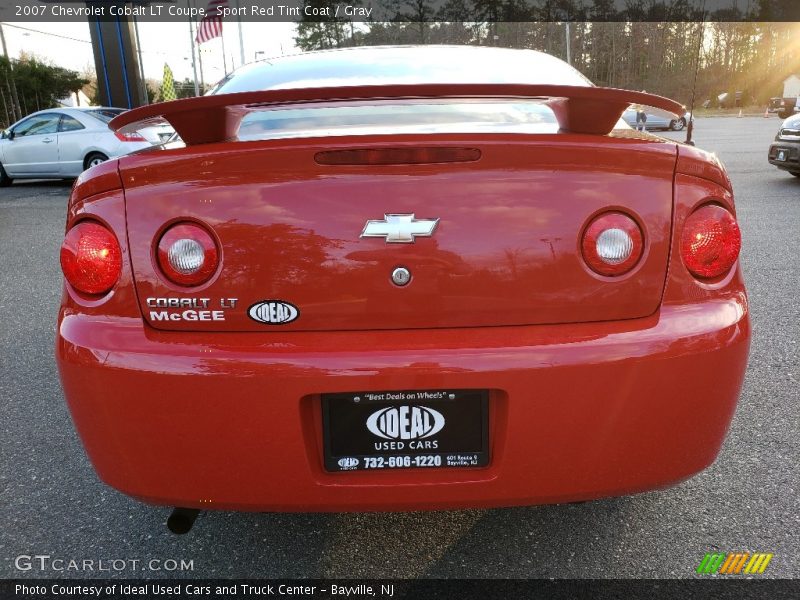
211, 25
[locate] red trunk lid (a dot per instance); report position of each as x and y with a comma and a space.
505, 251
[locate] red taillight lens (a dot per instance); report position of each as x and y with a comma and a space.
612, 244
187, 254
91, 258
710, 242
129, 137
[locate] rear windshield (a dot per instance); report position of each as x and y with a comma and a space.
390, 117
104, 114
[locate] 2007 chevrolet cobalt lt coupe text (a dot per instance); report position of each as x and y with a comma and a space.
399, 279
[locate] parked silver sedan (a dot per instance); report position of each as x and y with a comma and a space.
656, 120
63, 142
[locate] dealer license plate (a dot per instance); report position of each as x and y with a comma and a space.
388, 430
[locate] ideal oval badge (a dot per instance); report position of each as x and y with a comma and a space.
405, 422
273, 312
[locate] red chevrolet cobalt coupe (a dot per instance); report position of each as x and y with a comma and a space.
401, 279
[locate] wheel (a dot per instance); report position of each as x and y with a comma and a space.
795, 173
94, 159
784, 115
678, 124
5, 180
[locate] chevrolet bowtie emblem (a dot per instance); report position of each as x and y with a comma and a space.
400, 228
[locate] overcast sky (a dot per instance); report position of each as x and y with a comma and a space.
67, 45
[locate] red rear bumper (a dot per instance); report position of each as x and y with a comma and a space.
233, 420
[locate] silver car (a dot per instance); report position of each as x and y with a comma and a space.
657, 120
63, 142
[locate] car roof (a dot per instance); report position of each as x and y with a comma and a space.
74, 111
391, 65
92, 108
69, 110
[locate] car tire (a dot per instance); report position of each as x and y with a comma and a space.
93, 159
677, 124
784, 115
5, 180
795, 173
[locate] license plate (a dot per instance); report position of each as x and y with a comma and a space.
388, 430
781, 155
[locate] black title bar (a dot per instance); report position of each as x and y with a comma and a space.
478, 11
428, 589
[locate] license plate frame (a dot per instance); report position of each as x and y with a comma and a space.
391, 430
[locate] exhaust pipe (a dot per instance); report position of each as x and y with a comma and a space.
181, 520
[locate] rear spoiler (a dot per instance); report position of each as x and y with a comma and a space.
216, 118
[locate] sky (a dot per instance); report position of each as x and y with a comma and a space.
67, 45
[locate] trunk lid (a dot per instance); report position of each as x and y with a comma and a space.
505, 250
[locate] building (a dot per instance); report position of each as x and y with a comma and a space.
791, 86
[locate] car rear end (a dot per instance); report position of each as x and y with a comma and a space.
157, 135
776, 104
114, 143
375, 321
784, 152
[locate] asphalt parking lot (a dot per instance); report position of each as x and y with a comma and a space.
51, 502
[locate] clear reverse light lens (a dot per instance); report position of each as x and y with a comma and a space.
614, 246
186, 256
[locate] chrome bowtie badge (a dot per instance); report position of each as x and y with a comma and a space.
400, 228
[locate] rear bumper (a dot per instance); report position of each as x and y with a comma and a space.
232, 421
792, 149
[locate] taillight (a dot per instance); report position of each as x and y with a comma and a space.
710, 242
187, 254
129, 137
612, 244
91, 258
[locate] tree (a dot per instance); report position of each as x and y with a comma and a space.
183, 89
659, 56
320, 30
39, 85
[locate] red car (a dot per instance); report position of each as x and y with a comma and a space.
401, 279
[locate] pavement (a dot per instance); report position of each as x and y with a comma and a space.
51, 502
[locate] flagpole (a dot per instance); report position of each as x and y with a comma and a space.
200, 60
202, 78
145, 98
224, 59
241, 37
194, 62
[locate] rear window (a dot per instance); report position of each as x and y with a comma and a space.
105, 115
391, 117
